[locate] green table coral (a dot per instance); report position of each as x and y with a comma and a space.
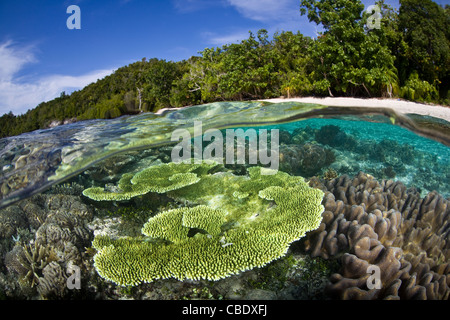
160, 178
239, 223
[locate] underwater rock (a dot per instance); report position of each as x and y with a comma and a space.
302, 135
285, 137
305, 160
368, 223
333, 136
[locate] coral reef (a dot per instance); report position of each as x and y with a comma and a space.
354, 149
391, 152
60, 235
11, 219
71, 189
237, 223
53, 282
330, 174
29, 261
369, 224
24, 166
302, 135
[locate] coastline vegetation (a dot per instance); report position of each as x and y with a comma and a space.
408, 57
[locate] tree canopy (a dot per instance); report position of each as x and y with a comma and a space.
408, 57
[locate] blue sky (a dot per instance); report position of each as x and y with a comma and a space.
40, 57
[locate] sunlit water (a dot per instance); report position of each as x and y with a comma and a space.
33, 162
43, 174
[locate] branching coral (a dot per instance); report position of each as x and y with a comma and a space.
240, 222
31, 260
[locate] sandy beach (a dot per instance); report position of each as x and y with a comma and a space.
400, 106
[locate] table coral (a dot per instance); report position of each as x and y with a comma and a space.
239, 222
159, 178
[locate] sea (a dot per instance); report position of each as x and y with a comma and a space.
66, 189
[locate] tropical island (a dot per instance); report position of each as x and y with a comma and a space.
406, 57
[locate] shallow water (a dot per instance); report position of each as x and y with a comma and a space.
33, 162
57, 165
375, 147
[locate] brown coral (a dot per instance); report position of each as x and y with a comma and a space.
60, 240
29, 261
52, 284
370, 223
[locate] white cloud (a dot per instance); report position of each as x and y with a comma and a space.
187, 6
267, 10
13, 60
220, 40
273, 15
19, 95
260, 10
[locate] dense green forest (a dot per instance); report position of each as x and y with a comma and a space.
407, 57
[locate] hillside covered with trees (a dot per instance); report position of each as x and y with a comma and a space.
408, 57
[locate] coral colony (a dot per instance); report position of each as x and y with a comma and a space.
383, 225
235, 226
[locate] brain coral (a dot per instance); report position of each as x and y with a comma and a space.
367, 223
238, 223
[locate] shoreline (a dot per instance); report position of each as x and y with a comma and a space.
401, 106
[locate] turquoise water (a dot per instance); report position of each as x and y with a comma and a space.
362, 130
35, 161
418, 161
48, 219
